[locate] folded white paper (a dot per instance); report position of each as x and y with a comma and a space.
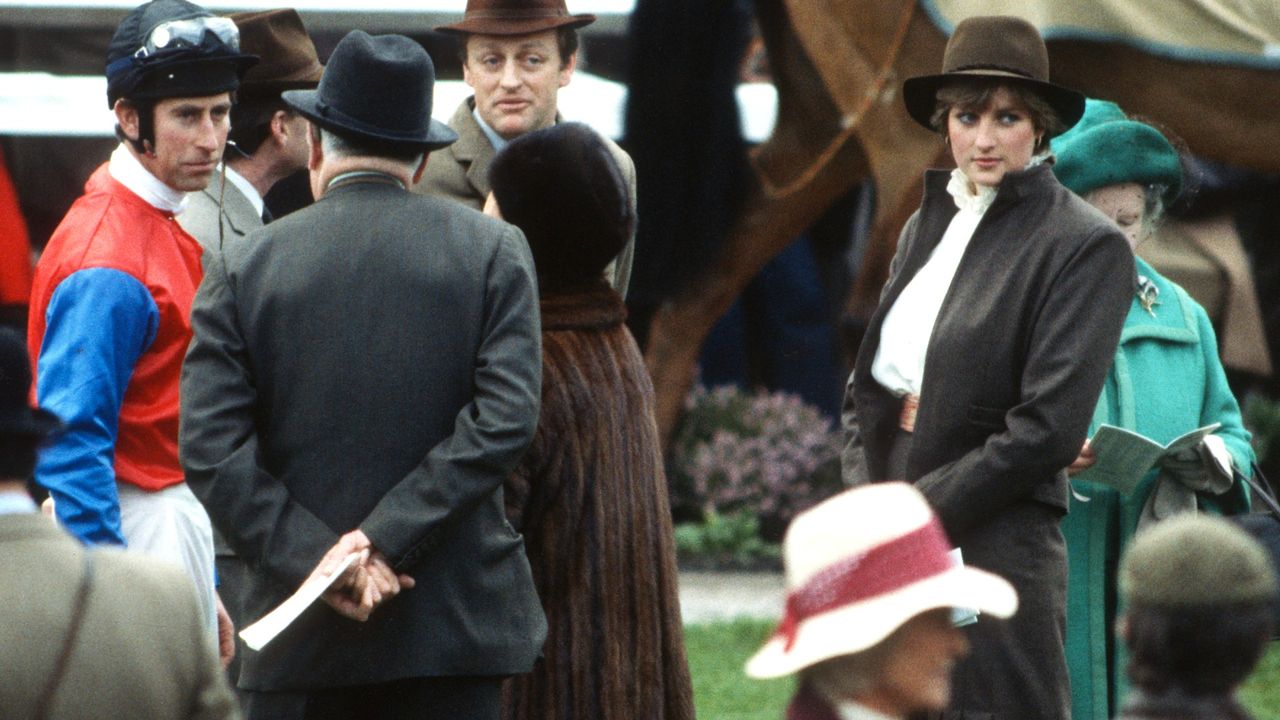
257, 635
961, 616
1123, 457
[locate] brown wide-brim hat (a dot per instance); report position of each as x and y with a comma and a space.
999, 47
287, 56
515, 17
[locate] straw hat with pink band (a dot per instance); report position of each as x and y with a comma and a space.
861, 564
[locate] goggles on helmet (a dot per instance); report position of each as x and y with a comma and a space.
190, 33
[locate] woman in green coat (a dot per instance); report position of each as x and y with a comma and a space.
1166, 380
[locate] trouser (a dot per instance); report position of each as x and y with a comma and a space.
433, 698
172, 525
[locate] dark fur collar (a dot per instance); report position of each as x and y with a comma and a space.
593, 307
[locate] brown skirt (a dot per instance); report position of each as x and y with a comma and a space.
1016, 669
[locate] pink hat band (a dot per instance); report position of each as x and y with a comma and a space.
916, 556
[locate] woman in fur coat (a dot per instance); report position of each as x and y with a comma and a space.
590, 496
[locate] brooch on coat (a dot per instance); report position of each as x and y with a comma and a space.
1147, 294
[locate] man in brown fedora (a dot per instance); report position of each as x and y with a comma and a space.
516, 55
363, 376
268, 140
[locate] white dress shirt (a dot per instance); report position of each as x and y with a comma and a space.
855, 711
904, 336
497, 141
242, 184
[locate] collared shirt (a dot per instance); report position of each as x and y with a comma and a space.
355, 174
242, 184
16, 503
497, 141
857, 711
908, 326
129, 172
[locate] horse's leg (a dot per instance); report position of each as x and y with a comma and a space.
770, 220
769, 225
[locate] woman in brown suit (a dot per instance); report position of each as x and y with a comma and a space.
590, 496
981, 367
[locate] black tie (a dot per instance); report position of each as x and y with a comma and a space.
266, 215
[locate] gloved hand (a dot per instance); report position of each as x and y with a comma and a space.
1182, 475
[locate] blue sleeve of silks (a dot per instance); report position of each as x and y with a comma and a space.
99, 321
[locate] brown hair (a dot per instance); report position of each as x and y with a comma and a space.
566, 43
978, 94
1197, 651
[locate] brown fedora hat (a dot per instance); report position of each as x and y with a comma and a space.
288, 57
515, 17
1003, 48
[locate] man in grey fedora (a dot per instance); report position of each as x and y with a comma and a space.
364, 373
516, 55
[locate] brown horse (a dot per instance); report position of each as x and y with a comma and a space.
838, 66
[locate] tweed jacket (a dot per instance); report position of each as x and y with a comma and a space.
1017, 357
461, 172
200, 219
371, 361
140, 648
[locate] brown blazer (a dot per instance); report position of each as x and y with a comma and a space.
1018, 355
461, 172
141, 649
1014, 367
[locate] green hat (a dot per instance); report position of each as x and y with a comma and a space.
1196, 561
1107, 148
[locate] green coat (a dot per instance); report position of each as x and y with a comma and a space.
1166, 380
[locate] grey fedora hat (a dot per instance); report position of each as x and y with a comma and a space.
376, 88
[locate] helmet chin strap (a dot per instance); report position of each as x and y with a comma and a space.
144, 144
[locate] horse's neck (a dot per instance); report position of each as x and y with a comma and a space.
852, 43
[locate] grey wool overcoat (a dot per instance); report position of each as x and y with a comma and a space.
371, 361
1014, 366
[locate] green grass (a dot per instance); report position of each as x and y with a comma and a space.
721, 691
1261, 694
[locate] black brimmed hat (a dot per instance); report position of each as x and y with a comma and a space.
998, 48
376, 89
172, 48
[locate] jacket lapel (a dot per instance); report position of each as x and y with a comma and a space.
472, 148
237, 211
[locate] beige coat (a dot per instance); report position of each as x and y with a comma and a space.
141, 649
200, 219
461, 172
